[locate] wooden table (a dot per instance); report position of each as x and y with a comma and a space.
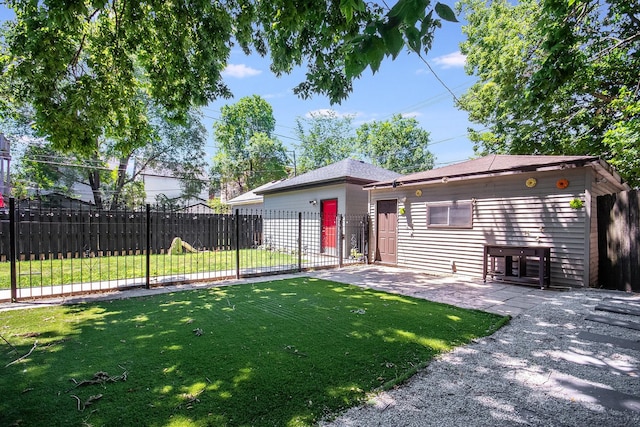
508, 252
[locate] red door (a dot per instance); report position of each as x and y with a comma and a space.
329, 212
387, 220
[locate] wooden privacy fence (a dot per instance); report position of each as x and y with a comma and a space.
618, 239
45, 252
64, 233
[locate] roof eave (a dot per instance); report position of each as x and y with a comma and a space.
608, 173
322, 183
487, 174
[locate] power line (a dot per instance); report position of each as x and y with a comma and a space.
272, 133
67, 164
431, 100
418, 105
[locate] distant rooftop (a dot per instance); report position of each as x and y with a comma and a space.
250, 196
345, 171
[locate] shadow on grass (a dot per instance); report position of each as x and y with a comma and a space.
286, 352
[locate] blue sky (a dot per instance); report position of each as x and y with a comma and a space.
404, 86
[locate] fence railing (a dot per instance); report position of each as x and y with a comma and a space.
46, 252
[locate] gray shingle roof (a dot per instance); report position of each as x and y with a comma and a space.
344, 171
492, 164
252, 196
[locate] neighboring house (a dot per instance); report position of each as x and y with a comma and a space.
82, 192
163, 185
5, 163
250, 200
156, 185
321, 195
54, 200
197, 208
439, 221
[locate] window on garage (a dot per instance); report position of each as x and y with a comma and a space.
454, 214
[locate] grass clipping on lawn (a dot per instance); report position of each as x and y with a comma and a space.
286, 352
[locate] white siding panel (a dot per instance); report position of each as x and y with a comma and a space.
505, 211
281, 213
357, 200
281, 229
298, 200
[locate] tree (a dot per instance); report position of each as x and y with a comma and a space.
174, 149
85, 67
325, 138
247, 155
42, 168
398, 145
268, 160
556, 77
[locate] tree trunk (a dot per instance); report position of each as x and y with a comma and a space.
94, 182
120, 181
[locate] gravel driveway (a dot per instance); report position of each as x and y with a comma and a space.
550, 366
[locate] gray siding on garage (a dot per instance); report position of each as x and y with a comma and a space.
281, 231
356, 202
505, 212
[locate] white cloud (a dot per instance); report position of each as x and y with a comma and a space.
327, 112
451, 60
277, 95
412, 114
240, 71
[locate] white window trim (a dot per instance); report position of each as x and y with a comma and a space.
464, 204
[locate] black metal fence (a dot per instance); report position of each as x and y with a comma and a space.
45, 251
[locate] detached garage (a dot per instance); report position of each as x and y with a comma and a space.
444, 220
321, 196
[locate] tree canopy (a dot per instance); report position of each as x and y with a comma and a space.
175, 149
247, 155
556, 77
397, 144
41, 168
325, 138
86, 66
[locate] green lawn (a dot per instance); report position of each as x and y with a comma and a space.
279, 353
100, 269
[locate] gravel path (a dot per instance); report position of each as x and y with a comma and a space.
545, 368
